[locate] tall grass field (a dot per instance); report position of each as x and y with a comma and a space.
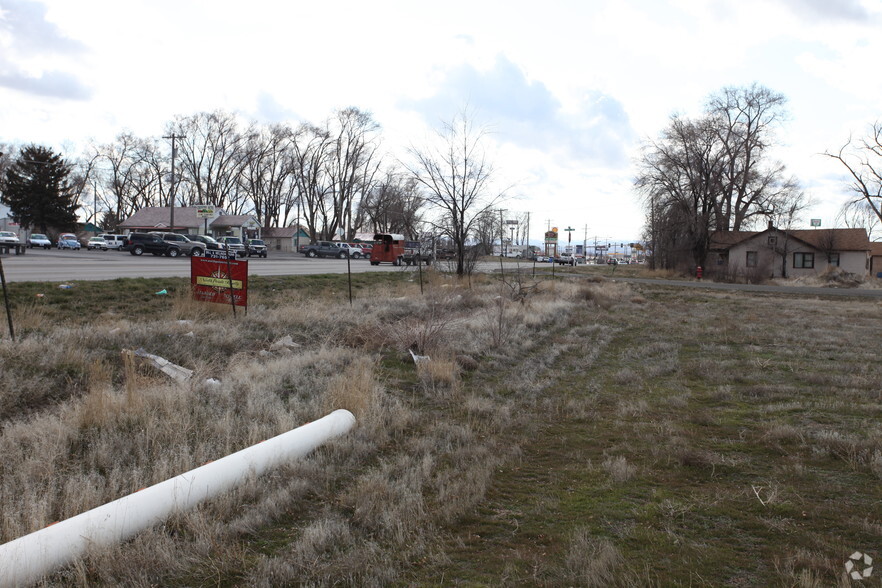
572, 431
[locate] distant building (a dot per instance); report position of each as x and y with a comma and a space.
776, 253
284, 238
188, 221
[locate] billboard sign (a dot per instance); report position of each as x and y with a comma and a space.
219, 279
205, 212
816, 222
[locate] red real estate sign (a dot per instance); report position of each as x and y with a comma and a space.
215, 278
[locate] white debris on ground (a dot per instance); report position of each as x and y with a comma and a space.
286, 343
418, 359
174, 371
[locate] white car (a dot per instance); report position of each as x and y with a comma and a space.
113, 241
39, 240
354, 251
9, 237
97, 243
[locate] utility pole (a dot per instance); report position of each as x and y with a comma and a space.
585, 244
174, 137
501, 233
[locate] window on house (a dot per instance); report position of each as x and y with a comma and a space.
833, 259
751, 259
803, 260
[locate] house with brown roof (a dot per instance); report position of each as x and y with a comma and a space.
776, 253
195, 220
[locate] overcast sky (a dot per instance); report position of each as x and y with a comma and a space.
569, 89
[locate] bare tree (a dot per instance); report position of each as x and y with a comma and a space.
860, 215
457, 178
268, 173
680, 177
713, 173
745, 120
212, 153
393, 205
124, 176
863, 160
311, 145
352, 164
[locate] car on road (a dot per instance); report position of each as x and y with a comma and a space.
140, 243
39, 240
97, 243
113, 241
255, 247
207, 240
9, 237
183, 243
323, 249
68, 241
233, 244
353, 249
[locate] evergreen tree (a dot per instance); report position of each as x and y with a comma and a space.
37, 191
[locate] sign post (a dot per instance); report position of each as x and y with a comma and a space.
205, 212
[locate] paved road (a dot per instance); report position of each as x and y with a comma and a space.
52, 265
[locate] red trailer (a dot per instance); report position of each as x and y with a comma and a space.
388, 247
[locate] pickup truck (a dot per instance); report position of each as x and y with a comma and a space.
565, 259
323, 249
416, 254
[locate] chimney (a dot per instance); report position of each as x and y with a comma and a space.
771, 226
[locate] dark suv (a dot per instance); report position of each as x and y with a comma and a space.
138, 243
255, 247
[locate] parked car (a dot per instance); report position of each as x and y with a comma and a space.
183, 243
68, 241
39, 240
139, 243
367, 248
97, 243
255, 247
9, 237
233, 244
323, 249
207, 240
353, 249
113, 241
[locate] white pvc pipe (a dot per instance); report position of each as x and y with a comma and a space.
27, 559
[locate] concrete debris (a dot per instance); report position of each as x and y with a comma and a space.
174, 371
285, 342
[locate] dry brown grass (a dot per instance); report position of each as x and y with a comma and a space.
544, 442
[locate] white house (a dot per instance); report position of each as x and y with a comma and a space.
776, 253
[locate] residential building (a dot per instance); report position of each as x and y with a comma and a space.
218, 224
776, 253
